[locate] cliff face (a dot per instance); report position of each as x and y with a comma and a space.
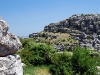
88, 23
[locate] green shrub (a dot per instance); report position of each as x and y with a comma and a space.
63, 40
26, 41
61, 64
82, 62
36, 53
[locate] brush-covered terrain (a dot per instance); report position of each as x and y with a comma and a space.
69, 47
43, 59
82, 30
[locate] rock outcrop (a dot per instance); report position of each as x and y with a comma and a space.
10, 63
59, 47
85, 28
82, 27
88, 23
9, 43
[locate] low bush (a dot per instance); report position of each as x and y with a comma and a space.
36, 53
26, 41
61, 64
78, 62
83, 63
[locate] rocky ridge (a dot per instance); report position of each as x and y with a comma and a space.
88, 23
82, 27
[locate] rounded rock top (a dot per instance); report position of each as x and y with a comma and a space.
9, 43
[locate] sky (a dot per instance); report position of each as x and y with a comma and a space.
30, 16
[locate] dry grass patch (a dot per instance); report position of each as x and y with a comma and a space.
63, 38
41, 71
36, 70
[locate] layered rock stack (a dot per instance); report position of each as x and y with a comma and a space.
10, 63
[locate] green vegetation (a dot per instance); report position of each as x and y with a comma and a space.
41, 59
36, 70
47, 37
36, 53
61, 64
83, 63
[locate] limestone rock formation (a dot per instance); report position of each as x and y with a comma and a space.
11, 65
59, 47
9, 43
88, 23
82, 27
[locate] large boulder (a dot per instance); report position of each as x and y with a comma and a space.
9, 43
11, 65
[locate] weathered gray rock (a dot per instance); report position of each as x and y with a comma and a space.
33, 35
82, 22
59, 47
11, 65
9, 43
82, 27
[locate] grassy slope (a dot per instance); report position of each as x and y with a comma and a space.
63, 38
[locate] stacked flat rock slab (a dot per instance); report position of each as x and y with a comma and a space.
10, 63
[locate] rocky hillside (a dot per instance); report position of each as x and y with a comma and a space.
82, 27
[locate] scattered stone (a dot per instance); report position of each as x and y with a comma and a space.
33, 35
59, 47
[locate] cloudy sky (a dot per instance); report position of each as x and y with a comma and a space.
28, 16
